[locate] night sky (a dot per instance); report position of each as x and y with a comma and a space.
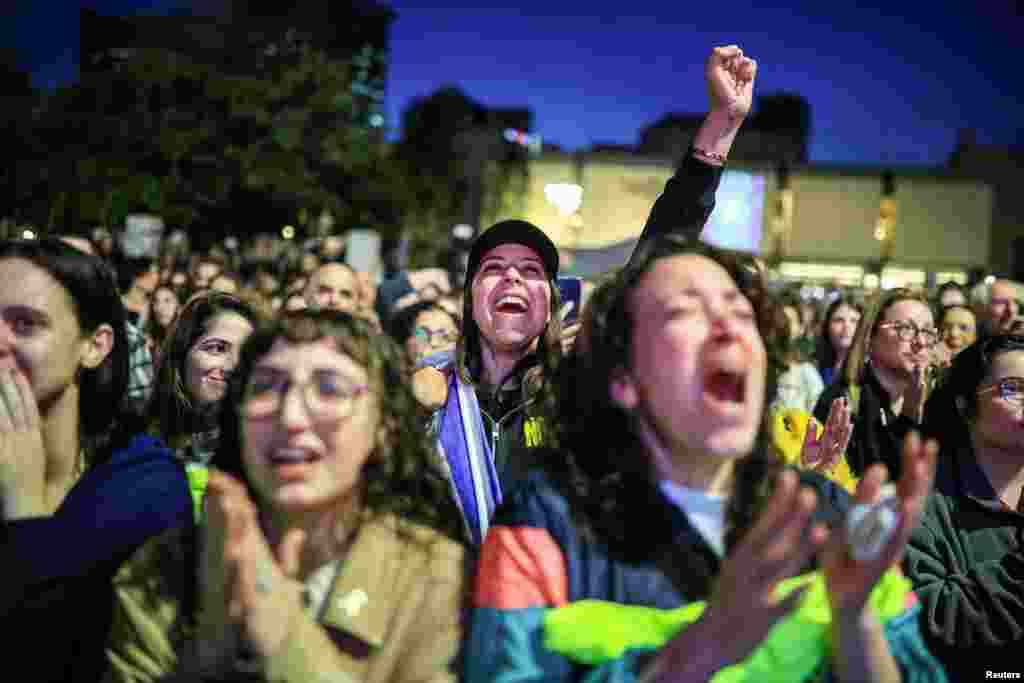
883, 88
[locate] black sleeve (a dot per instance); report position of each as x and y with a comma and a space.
685, 205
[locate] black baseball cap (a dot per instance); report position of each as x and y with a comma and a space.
513, 232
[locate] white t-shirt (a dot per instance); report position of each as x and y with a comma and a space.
705, 512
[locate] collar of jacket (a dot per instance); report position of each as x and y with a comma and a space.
362, 600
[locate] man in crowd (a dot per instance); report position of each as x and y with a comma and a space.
1001, 309
333, 285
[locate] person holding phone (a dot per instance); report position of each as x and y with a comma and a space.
486, 411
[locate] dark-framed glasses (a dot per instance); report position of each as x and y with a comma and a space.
1010, 389
907, 331
430, 337
327, 394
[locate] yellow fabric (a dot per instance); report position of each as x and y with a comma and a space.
533, 432
594, 632
789, 426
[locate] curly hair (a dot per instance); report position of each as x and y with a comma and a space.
401, 476
610, 488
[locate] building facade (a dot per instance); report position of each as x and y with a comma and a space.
941, 230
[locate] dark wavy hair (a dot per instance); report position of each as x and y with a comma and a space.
175, 414
599, 461
92, 290
825, 355
954, 403
401, 476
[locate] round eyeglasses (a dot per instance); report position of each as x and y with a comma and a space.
328, 395
430, 337
909, 331
1010, 389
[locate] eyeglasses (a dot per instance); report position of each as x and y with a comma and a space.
328, 395
909, 331
1011, 390
433, 337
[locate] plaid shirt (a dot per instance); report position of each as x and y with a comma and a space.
141, 375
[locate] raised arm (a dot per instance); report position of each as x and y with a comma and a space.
689, 196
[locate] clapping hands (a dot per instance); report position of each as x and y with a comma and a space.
822, 453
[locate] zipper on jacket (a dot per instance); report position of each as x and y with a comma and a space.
497, 424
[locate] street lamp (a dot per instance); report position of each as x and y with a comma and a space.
567, 199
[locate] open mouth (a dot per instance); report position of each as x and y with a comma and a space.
511, 304
725, 387
292, 456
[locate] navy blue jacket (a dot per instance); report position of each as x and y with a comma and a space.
56, 597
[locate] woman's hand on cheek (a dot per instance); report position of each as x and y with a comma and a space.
23, 491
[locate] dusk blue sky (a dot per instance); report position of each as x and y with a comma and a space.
886, 85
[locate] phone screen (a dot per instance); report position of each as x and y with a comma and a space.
570, 289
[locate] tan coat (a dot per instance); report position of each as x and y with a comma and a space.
395, 612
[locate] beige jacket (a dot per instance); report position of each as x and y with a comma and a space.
395, 612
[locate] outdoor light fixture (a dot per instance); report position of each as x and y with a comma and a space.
885, 226
566, 197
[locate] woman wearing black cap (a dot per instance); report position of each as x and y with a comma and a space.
511, 342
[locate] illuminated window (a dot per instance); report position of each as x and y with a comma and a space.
957, 276
822, 272
902, 277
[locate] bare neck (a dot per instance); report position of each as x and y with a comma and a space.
61, 441
894, 385
1003, 467
705, 472
499, 364
327, 532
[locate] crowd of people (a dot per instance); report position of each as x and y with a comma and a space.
220, 470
